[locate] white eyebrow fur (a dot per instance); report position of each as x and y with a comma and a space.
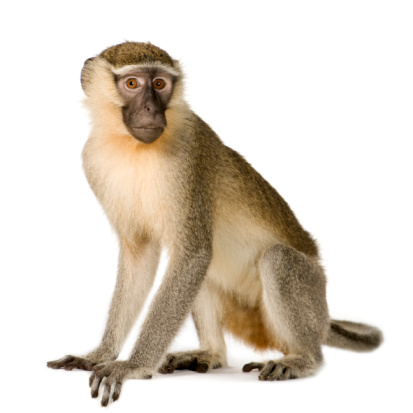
156, 65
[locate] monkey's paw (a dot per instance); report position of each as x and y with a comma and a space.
72, 362
199, 361
87, 362
271, 371
113, 374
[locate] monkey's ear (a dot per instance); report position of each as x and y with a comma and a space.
86, 74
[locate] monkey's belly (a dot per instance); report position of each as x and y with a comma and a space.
236, 277
237, 249
249, 324
234, 271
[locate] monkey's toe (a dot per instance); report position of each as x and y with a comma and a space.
168, 366
251, 366
276, 371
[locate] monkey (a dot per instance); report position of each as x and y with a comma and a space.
239, 260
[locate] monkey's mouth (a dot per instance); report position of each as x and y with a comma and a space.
147, 127
147, 134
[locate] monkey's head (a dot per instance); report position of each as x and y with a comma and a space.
138, 80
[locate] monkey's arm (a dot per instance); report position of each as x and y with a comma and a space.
136, 272
169, 309
190, 259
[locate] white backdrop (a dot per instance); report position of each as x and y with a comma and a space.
316, 95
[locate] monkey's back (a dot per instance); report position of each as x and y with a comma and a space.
250, 216
241, 189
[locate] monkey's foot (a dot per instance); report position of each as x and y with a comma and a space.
114, 373
72, 362
270, 371
292, 366
199, 361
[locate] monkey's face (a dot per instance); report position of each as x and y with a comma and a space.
146, 93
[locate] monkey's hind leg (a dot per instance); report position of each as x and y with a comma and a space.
212, 352
295, 307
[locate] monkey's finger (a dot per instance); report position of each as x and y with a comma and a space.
167, 369
91, 378
72, 364
116, 391
202, 367
106, 393
279, 372
94, 388
79, 363
168, 366
58, 364
286, 374
251, 366
266, 373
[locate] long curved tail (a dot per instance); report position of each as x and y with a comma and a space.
353, 336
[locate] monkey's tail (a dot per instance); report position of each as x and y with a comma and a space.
353, 336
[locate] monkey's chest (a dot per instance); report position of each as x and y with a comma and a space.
132, 192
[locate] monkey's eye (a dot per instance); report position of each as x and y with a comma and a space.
132, 83
158, 84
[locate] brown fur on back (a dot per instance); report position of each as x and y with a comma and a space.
243, 187
264, 201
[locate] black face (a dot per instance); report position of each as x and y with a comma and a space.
146, 94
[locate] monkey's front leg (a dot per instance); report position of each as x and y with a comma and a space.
136, 272
207, 313
114, 374
168, 311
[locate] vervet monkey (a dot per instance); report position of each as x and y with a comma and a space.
239, 261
